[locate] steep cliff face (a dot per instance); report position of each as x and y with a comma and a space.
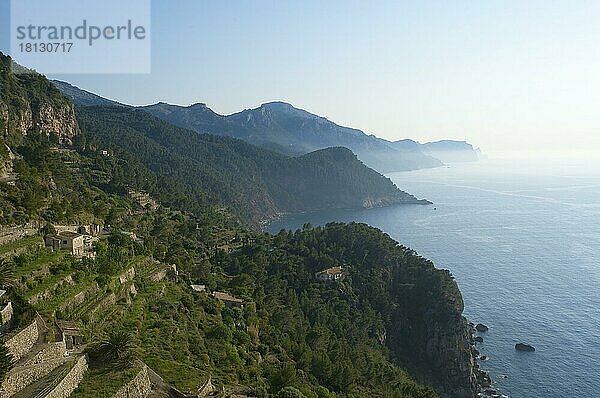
6, 161
420, 306
29, 102
447, 347
429, 335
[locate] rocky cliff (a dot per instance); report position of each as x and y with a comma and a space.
429, 334
6, 161
30, 103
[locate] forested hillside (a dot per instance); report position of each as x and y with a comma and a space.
174, 295
257, 183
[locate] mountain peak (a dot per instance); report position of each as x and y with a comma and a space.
285, 108
198, 105
277, 104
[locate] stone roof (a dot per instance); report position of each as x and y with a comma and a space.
331, 271
65, 235
198, 288
227, 297
69, 328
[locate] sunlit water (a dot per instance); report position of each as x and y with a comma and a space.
523, 241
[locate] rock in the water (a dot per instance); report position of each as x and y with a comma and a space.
524, 347
478, 339
480, 327
483, 358
483, 378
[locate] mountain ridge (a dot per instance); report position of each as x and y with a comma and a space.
279, 126
259, 184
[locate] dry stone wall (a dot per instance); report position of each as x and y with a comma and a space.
50, 352
48, 293
139, 387
71, 381
80, 297
19, 378
22, 342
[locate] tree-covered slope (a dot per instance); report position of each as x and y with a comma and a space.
82, 97
286, 128
257, 183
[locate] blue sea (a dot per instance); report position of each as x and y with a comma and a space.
523, 242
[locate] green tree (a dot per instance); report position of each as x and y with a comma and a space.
117, 349
290, 392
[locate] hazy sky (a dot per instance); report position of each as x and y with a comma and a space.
504, 75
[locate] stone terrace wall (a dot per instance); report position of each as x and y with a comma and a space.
139, 387
127, 275
50, 352
106, 302
80, 297
21, 343
71, 380
10, 234
19, 378
49, 293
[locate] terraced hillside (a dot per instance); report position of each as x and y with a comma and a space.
50, 290
130, 319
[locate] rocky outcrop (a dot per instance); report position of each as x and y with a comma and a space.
524, 347
480, 327
6, 159
206, 389
3, 119
434, 343
449, 351
60, 120
127, 275
46, 118
33, 104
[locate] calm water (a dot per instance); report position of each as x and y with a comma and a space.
523, 241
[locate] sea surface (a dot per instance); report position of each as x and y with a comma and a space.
523, 242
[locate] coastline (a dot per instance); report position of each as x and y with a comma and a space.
463, 378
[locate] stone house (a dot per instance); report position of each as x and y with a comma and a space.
229, 300
92, 229
330, 274
66, 240
70, 333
